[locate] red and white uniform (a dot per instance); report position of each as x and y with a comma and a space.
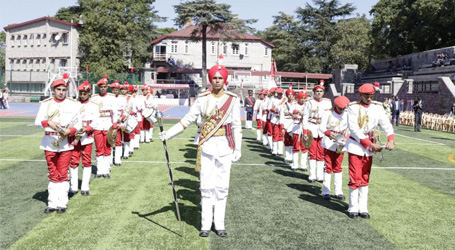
151, 107
287, 122
263, 114
297, 142
108, 109
83, 146
333, 122
314, 110
277, 125
362, 120
258, 114
58, 152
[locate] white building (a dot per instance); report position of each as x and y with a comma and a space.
177, 58
37, 51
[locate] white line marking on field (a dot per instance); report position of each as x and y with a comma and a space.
29, 125
242, 164
409, 137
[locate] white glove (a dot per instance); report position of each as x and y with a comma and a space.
173, 131
236, 155
163, 136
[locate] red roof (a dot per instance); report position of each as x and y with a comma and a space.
15, 25
186, 33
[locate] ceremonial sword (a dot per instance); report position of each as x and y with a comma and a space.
159, 116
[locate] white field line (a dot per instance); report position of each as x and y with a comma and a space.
242, 164
418, 139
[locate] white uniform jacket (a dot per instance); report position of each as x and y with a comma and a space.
286, 116
121, 104
313, 114
138, 102
256, 108
108, 110
90, 115
205, 104
362, 121
275, 107
297, 118
334, 122
263, 110
66, 113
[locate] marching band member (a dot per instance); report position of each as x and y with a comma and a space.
83, 142
363, 117
288, 123
277, 125
149, 105
108, 112
249, 104
297, 134
334, 124
120, 103
127, 110
268, 124
315, 108
258, 114
131, 103
219, 145
138, 102
59, 116
264, 114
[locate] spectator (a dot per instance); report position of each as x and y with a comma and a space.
2, 104
452, 110
396, 107
418, 106
171, 61
5, 98
158, 94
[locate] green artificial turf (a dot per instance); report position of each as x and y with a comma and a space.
269, 206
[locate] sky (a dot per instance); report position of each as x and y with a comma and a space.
24, 10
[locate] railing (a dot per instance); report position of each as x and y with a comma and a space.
159, 57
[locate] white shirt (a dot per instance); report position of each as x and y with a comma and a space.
108, 108
313, 113
334, 122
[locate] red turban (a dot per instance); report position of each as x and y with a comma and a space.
115, 85
290, 92
341, 102
300, 95
223, 72
59, 82
367, 88
102, 81
279, 91
85, 86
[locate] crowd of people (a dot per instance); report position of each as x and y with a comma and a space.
115, 122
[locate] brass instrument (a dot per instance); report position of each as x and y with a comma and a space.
377, 140
61, 131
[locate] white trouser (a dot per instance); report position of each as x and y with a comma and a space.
353, 200
258, 134
338, 183
304, 160
275, 148
118, 155
136, 140
270, 142
280, 147
295, 160
102, 165
151, 133
363, 199
196, 138
52, 198
74, 179
288, 153
63, 188
214, 178
86, 174
312, 172
320, 170
326, 184
265, 139
142, 138
126, 150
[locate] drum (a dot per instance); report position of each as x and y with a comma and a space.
149, 115
130, 124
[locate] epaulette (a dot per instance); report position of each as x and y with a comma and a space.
376, 102
110, 94
71, 99
95, 95
327, 99
354, 103
205, 93
93, 102
230, 93
47, 99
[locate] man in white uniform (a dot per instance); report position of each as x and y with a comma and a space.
60, 118
363, 118
219, 145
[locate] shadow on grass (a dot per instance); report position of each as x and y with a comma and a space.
441, 138
296, 174
191, 151
189, 170
41, 196
154, 222
312, 193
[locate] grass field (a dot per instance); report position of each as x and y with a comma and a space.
411, 200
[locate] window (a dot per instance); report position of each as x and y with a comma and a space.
212, 48
44, 39
11, 63
37, 64
174, 47
18, 40
12, 41
43, 64
65, 38
266, 51
18, 63
38, 40
55, 38
30, 64
235, 49
186, 47
32, 37
24, 64
62, 63
24, 40
224, 49
52, 64
246, 49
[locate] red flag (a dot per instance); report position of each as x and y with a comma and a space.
132, 69
273, 69
86, 68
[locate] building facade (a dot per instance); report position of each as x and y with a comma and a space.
37, 51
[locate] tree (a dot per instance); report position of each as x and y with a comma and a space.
317, 31
69, 14
408, 26
208, 16
284, 35
116, 35
352, 42
2, 50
